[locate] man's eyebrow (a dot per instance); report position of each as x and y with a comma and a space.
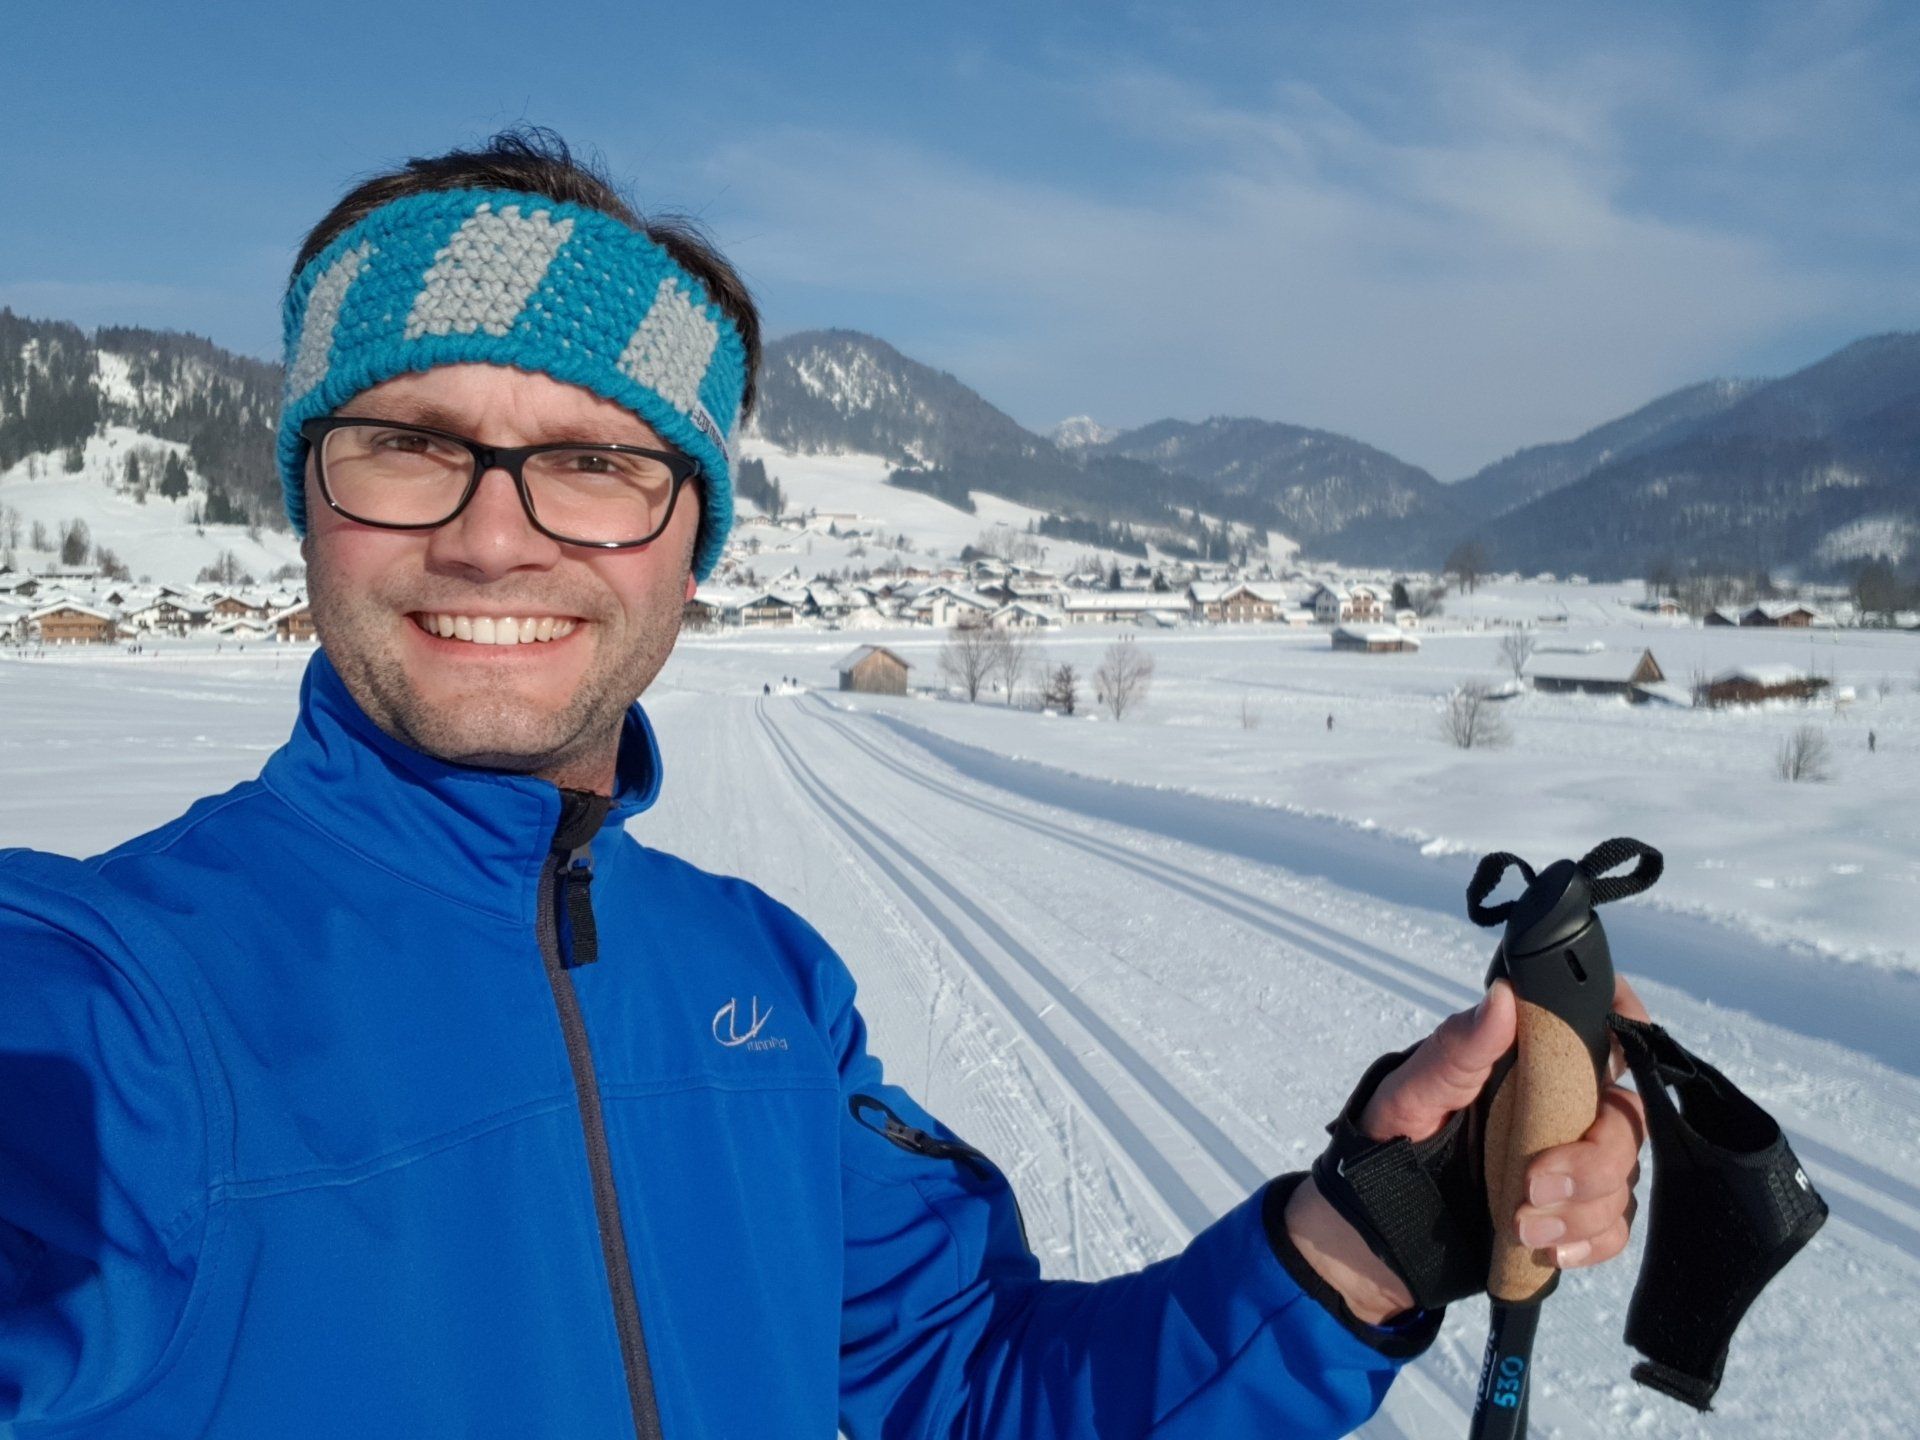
405, 410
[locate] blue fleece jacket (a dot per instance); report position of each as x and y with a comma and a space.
322, 1113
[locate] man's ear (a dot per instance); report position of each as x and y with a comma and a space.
691, 586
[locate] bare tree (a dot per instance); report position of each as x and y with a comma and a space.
10, 527
969, 657
1516, 649
1472, 719
1063, 690
1467, 562
1124, 675
1803, 756
1013, 653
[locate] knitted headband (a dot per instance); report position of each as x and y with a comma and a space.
503, 278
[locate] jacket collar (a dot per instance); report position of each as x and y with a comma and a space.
475, 836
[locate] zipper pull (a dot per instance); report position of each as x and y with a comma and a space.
582, 935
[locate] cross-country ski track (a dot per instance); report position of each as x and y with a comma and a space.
1031, 926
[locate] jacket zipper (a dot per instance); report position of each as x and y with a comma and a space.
563, 903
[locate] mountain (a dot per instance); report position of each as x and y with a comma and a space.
1335, 495
1077, 432
1812, 473
840, 391
826, 391
1530, 473
58, 386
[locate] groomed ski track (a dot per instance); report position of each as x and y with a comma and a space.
886, 796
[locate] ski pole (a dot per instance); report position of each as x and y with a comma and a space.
1555, 955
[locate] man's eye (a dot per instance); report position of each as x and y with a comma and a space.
402, 441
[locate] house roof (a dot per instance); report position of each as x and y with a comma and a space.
1376, 634
60, 605
1611, 667
855, 656
1761, 675
1129, 600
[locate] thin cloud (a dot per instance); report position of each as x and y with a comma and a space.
1448, 297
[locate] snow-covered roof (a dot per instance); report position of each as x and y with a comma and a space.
1611, 667
855, 656
58, 605
1761, 675
1124, 601
1376, 635
1667, 692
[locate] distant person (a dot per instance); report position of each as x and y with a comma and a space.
1873, 742
1329, 721
400, 1091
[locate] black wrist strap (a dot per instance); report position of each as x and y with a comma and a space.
1731, 1205
1421, 1206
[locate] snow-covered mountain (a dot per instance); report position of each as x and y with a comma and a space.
1077, 432
153, 446
162, 444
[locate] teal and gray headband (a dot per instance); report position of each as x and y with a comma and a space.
497, 277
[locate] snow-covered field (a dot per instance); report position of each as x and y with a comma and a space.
1141, 963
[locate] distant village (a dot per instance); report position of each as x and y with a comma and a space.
78, 605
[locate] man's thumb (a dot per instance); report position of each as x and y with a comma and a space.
1446, 1073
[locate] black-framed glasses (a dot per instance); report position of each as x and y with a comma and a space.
410, 477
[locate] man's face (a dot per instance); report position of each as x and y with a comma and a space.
550, 707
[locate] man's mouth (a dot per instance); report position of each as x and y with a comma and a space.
496, 629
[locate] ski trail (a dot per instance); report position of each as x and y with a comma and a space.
1146, 1156
1869, 1012
1869, 1199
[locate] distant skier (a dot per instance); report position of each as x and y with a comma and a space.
1873, 742
1329, 722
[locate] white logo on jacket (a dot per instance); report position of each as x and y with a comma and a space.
732, 1037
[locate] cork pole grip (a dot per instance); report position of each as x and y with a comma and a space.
1548, 1098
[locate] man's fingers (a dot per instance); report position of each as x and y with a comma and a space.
1568, 1224
1578, 1254
1603, 1161
1446, 1073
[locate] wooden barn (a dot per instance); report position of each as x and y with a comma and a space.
1373, 639
874, 670
72, 624
1754, 684
1619, 673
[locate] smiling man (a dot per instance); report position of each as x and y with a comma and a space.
400, 1091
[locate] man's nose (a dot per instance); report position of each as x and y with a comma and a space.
492, 535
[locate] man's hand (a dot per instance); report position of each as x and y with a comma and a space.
1580, 1201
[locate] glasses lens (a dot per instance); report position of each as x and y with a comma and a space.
390, 475
587, 493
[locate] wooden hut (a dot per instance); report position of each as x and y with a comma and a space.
1373, 639
1619, 673
1753, 684
874, 670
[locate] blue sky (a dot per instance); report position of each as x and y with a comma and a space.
1448, 230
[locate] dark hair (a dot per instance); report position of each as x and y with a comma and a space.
536, 160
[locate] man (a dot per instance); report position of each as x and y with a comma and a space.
401, 1092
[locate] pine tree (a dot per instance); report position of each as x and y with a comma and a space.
173, 477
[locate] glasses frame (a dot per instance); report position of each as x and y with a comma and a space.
510, 458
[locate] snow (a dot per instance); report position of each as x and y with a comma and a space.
153, 539
1140, 963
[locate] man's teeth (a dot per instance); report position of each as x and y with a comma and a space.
495, 629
